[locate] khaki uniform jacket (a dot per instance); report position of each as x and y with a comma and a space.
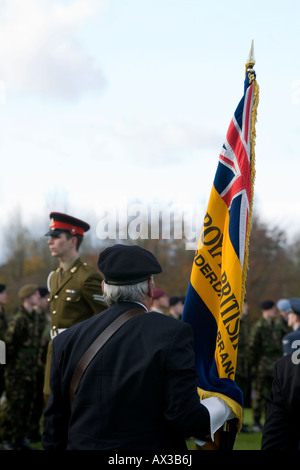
75, 298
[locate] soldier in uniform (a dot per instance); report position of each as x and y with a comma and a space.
75, 288
176, 305
264, 351
160, 300
41, 308
22, 341
242, 373
284, 307
291, 341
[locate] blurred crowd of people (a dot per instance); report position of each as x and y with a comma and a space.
26, 335
261, 345
74, 294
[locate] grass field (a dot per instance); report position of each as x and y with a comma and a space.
251, 440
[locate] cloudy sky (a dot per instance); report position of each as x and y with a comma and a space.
106, 101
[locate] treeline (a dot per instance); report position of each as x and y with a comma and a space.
274, 263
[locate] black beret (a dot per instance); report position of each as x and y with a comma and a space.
127, 264
175, 300
295, 304
66, 223
2, 288
43, 291
267, 304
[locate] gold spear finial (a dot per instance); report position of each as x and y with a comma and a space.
251, 57
251, 60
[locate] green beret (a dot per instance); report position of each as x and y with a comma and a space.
27, 290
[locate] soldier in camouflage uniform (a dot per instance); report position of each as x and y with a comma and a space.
283, 307
42, 316
22, 341
242, 366
264, 351
242, 372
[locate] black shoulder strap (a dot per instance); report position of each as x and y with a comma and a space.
97, 345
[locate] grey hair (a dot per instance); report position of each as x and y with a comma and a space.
133, 293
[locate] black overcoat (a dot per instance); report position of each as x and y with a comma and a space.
138, 393
281, 429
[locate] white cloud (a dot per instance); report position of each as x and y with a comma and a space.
40, 51
165, 143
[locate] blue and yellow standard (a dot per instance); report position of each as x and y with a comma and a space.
217, 285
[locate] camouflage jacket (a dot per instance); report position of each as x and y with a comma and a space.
264, 347
242, 369
22, 340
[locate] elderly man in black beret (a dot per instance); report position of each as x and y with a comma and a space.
139, 391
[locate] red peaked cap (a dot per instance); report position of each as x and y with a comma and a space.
66, 223
127, 264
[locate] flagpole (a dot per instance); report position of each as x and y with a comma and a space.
249, 70
229, 429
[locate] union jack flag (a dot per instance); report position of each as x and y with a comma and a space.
233, 176
216, 290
